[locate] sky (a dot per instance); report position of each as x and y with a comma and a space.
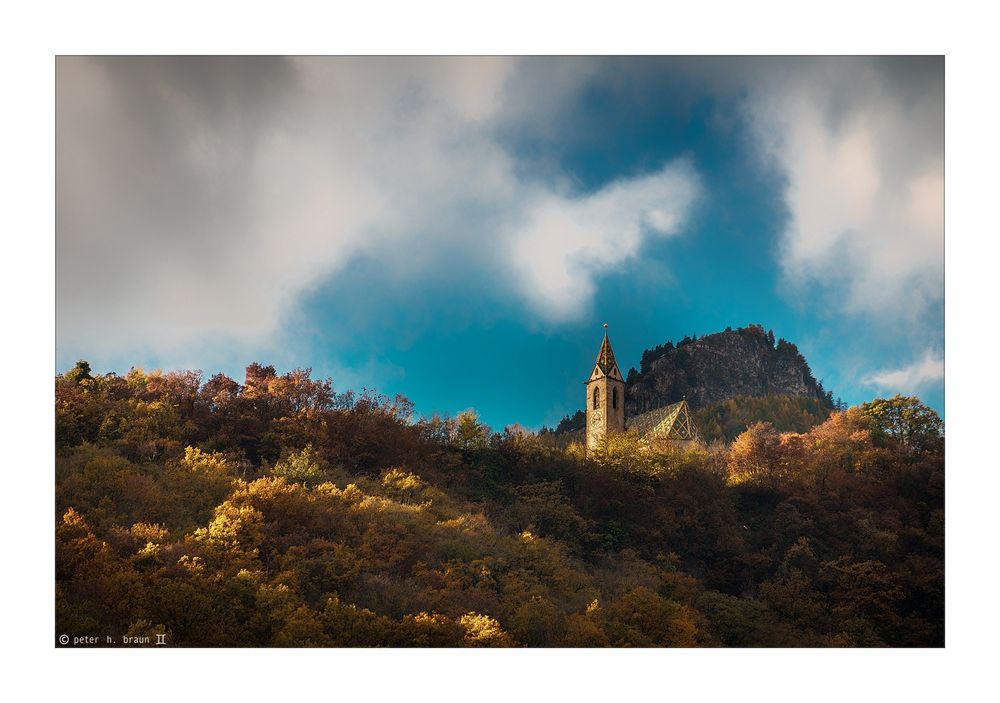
459, 229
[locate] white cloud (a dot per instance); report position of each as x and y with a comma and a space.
566, 241
197, 200
927, 370
862, 145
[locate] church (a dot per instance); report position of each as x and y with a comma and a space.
671, 424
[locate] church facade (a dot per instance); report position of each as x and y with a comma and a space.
671, 424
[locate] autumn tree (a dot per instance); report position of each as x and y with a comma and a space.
905, 420
755, 456
470, 433
300, 467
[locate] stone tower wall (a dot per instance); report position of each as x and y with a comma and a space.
607, 418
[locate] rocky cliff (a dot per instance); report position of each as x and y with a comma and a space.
716, 367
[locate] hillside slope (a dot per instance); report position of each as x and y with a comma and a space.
277, 512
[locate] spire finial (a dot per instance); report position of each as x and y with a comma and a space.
605, 327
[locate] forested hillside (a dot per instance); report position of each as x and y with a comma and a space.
746, 362
725, 420
278, 512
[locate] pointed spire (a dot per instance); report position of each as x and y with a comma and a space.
606, 357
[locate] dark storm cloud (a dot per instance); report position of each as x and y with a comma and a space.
197, 198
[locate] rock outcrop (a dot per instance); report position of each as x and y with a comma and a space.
716, 367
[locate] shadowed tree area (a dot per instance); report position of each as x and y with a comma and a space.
279, 512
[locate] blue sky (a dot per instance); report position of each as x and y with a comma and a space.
458, 229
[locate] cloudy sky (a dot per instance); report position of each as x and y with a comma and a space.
458, 229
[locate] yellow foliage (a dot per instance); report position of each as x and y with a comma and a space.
237, 528
628, 453
350, 494
429, 630
403, 482
212, 463
194, 564
484, 631
150, 551
150, 533
300, 467
255, 577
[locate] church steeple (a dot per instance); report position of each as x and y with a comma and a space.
606, 357
605, 396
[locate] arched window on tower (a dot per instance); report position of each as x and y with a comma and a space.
614, 398
597, 397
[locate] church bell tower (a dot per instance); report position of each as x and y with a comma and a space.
605, 397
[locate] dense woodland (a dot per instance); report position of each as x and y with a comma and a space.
725, 420
279, 512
